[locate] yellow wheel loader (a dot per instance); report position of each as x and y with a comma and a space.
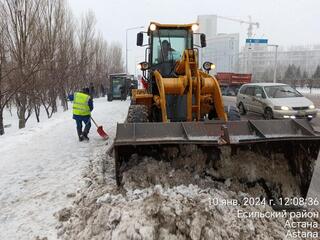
182, 107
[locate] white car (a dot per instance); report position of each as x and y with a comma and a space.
274, 100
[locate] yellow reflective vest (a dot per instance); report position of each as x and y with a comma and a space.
81, 104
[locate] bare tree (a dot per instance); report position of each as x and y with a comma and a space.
52, 17
23, 29
45, 55
3, 65
67, 60
86, 36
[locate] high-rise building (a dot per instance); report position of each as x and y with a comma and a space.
222, 49
208, 25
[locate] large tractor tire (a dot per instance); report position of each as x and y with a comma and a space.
155, 115
138, 114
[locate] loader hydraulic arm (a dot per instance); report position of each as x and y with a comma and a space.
200, 88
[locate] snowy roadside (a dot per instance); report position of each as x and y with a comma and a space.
41, 169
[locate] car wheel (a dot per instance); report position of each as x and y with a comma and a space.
242, 109
268, 114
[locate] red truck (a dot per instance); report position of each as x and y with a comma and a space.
231, 82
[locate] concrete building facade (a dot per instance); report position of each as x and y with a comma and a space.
222, 49
258, 61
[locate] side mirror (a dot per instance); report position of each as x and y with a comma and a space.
203, 40
140, 39
259, 95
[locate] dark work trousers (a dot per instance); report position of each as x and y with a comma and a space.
87, 125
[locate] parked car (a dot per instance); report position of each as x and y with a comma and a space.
274, 100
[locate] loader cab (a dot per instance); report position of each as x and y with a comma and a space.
166, 45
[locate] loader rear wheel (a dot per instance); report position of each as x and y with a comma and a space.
137, 114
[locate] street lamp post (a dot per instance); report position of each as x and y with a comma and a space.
128, 29
275, 61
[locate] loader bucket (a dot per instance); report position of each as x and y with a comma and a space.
278, 154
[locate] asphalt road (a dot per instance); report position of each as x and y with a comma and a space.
314, 190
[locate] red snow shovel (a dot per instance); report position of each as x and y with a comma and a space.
100, 130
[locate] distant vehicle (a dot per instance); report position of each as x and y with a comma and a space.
274, 100
230, 83
120, 86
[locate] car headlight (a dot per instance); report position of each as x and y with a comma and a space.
312, 107
284, 108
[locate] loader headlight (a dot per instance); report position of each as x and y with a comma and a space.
208, 66
152, 27
312, 107
143, 66
195, 27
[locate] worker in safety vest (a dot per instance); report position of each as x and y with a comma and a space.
82, 107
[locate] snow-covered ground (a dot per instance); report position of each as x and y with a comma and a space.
11, 121
42, 164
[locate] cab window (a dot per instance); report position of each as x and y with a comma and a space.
169, 44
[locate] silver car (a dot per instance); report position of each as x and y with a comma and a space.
274, 100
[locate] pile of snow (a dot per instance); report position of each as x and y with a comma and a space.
190, 164
169, 210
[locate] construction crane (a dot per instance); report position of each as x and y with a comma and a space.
249, 22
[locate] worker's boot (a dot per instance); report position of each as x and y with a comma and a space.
79, 131
85, 136
86, 131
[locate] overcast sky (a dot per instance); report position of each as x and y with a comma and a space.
284, 22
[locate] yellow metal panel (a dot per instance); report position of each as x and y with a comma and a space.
175, 85
162, 93
217, 96
160, 25
202, 90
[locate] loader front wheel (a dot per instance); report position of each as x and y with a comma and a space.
137, 114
